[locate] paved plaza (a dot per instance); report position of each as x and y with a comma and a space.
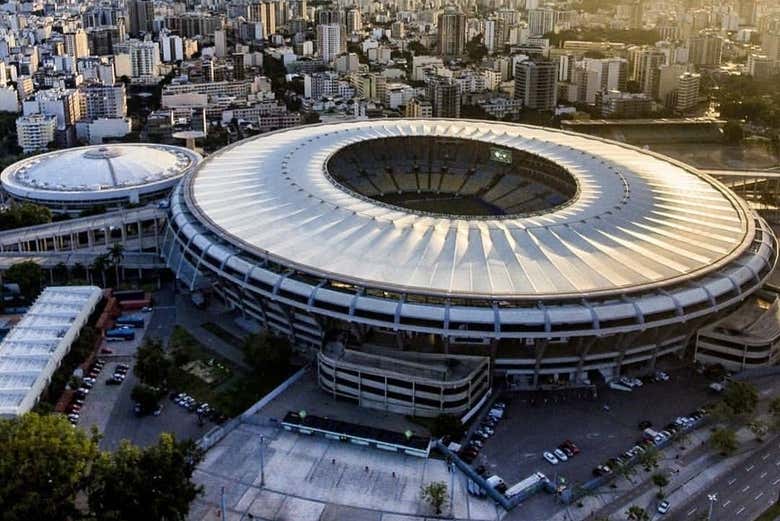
316, 479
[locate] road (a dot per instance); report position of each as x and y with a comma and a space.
742, 494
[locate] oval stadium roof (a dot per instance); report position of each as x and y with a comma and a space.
638, 220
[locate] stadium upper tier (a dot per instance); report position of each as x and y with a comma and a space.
479, 210
103, 175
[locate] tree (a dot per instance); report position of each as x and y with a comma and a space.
28, 275
435, 494
649, 458
447, 425
23, 215
268, 355
636, 513
152, 364
660, 481
759, 429
774, 410
733, 133
147, 397
100, 264
115, 256
44, 463
153, 483
724, 441
60, 271
741, 398
475, 49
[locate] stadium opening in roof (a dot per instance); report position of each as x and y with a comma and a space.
556, 256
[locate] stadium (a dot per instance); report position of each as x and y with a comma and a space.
108, 176
418, 259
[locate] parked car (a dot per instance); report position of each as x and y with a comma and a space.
566, 450
663, 507
560, 455
572, 446
550, 458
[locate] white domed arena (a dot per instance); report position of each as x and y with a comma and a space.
438, 244
113, 176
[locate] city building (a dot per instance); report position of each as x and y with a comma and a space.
647, 63
590, 292
688, 91
760, 66
329, 42
541, 21
103, 101
616, 104
706, 50
143, 59
110, 176
140, 16
418, 108
445, 97
35, 132
452, 32
76, 43
536, 84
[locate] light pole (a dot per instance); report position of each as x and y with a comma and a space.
262, 461
712, 498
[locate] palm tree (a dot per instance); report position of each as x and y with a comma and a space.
115, 255
100, 263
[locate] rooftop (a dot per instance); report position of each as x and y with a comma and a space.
638, 220
102, 170
33, 349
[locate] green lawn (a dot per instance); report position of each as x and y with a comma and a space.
231, 396
770, 514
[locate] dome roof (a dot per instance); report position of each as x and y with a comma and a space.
98, 172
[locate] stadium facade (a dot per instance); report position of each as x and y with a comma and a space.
555, 256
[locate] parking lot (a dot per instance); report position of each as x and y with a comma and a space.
110, 408
530, 426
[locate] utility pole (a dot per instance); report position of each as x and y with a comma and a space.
712, 498
222, 504
262, 461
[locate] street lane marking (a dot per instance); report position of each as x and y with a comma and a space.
766, 457
727, 503
690, 513
747, 487
762, 476
758, 496
740, 510
731, 481
775, 482
748, 469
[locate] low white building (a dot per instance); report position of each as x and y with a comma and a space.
33, 350
97, 131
